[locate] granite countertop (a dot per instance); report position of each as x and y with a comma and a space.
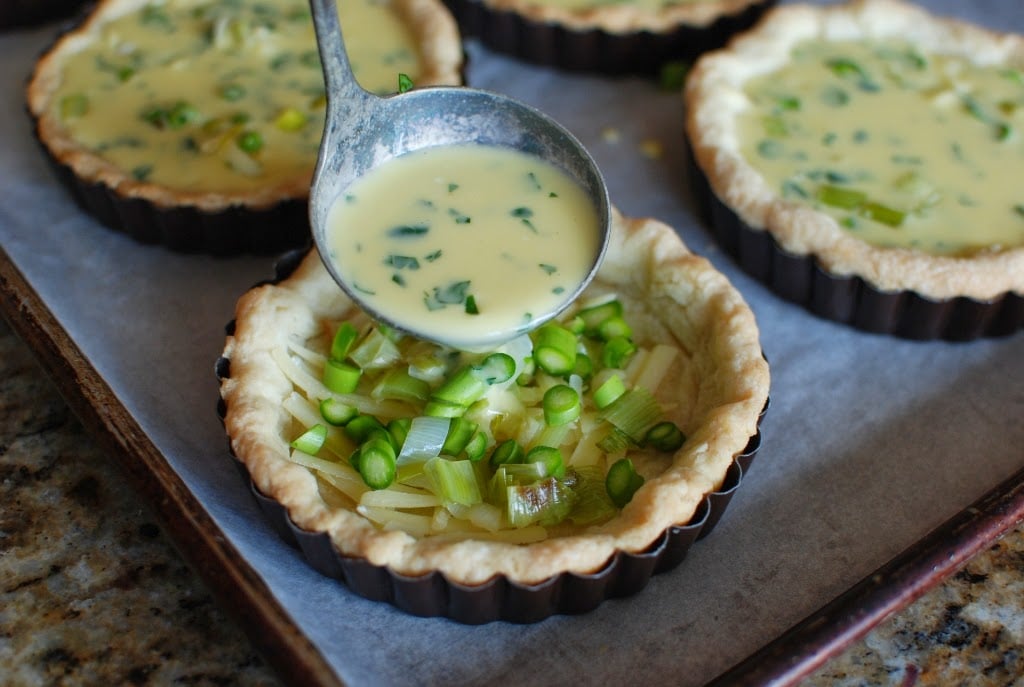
92, 592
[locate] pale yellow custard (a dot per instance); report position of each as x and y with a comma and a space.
464, 244
226, 97
903, 148
639, 4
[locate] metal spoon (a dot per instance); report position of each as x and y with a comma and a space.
363, 131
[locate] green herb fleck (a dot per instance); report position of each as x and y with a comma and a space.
398, 279
402, 262
72, 106
431, 257
453, 293
1019, 209
770, 149
452, 187
142, 172
250, 141
471, 308
534, 182
404, 83
408, 230
549, 269
833, 96
459, 217
848, 69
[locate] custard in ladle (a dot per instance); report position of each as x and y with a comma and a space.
466, 244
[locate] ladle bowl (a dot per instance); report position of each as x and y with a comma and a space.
363, 131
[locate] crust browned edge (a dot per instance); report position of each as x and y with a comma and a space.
623, 570
803, 255
263, 223
609, 40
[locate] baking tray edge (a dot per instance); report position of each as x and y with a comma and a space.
784, 661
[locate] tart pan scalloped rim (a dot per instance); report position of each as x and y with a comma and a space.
595, 50
433, 595
849, 300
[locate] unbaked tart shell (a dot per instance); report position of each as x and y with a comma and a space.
672, 295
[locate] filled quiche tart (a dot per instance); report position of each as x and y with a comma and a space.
534, 479
862, 160
634, 36
196, 124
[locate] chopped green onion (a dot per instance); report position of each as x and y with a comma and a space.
839, 197
375, 351
883, 214
250, 142
72, 106
476, 447
593, 505
312, 440
548, 456
463, 388
665, 436
424, 439
377, 463
496, 368
622, 482
460, 431
399, 385
584, 366
594, 315
398, 428
290, 120
444, 409
612, 327
617, 351
554, 349
634, 412
336, 412
341, 378
508, 451
343, 340
360, 428
547, 502
453, 481
561, 405
609, 391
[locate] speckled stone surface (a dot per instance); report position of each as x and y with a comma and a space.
92, 593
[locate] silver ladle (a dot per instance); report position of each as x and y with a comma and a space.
363, 131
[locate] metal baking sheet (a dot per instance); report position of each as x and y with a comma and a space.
871, 442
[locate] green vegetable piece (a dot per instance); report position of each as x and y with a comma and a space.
550, 457
377, 463
460, 431
399, 385
360, 428
617, 351
584, 366
376, 351
609, 391
312, 440
471, 307
613, 327
343, 340
496, 368
665, 436
508, 451
341, 378
463, 389
622, 482
404, 83
593, 505
634, 412
561, 405
454, 481
594, 315
398, 428
74, 106
546, 502
883, 214
250, 142
554, 349
477, 447
839, 197
290, 120
336, 412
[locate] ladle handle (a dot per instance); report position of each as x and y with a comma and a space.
344, 94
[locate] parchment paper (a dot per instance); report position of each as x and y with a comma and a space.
870, 441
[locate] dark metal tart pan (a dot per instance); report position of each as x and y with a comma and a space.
433, 595
595, 50
846, 299
16, 14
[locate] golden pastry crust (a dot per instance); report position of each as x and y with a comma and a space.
714, 98
440, 50
720, 386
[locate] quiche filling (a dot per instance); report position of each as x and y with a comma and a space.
226, 96
901, 148
640, 4
434, 239
550, 433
